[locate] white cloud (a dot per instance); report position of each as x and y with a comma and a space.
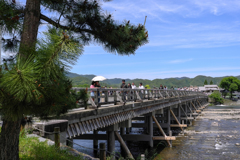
183, 24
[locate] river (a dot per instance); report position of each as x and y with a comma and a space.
214, 135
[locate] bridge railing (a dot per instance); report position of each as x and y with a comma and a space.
102, 96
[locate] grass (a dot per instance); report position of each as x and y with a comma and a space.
31, 149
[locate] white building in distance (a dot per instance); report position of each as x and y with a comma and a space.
209, 89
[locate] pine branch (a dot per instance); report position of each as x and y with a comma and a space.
50, 21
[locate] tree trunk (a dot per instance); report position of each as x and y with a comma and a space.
9, 140
30, 26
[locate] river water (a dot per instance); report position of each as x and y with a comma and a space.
215, 135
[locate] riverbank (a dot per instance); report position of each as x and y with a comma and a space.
229, 102
214, 135
33, 147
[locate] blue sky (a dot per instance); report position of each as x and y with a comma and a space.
186, 38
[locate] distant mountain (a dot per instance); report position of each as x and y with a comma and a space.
115, 81
178, 78
80, 80
72, 75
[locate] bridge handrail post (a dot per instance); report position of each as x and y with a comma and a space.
95, 98
102, 151
148, 94
115, 97
134, 96
106, 95
57, 137
173, 94
98, 95
123, 95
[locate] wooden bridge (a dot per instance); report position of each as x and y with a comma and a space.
114, 110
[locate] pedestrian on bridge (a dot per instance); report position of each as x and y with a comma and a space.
141, 87
124, 86
161, 86
129, 85
133, 86
92, 92
97, 85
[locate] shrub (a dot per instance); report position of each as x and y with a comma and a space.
217, 97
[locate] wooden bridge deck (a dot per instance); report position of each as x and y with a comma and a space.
117, 108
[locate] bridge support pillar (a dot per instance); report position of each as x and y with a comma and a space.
179, 113
122, 132
111, 138
111, 141
150, 130
95, 141
168, 120
127, 130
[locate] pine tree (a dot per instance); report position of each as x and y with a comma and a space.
205, 82
211, 82
34, 81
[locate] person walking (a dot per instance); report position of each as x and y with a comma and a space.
141, 87
97, 85
129, 93
123, 85
92, 92
161, 86
133, 86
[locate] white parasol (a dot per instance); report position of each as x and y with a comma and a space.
99, 78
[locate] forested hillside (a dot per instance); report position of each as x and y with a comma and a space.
85, 80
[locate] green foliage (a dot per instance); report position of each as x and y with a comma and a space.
233, 87
31, 149
10, 16
83, 85
148, 87
38, 85
211, 82
205, 82
87, 20
231, 84
82, 97
217, 97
